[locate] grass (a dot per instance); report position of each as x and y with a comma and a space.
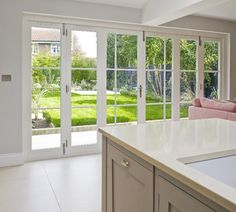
87, 116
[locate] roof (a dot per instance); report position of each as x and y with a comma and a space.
45, 35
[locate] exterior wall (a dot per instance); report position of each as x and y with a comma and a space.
209, 24
11, 19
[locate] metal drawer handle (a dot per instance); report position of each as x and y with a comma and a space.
124, 163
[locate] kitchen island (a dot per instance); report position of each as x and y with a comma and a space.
170, 167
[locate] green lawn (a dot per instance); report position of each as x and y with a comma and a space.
87, 116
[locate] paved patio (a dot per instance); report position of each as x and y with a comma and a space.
50, 141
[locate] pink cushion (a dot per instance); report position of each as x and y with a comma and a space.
196, 102
205, 113
217, 105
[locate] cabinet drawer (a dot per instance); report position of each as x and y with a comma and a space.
173, 199
129, 184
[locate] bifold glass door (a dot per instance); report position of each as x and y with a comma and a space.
83, 95
158, 78
64, 90
46, 87
122, 87
135, 77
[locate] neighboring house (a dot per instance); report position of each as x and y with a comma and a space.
45, 41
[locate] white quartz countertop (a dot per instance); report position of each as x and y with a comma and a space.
169, 145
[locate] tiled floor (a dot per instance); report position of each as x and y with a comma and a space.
63, 185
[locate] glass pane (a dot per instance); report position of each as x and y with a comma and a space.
211, 56
184, 109
83, 88
126, 87
111, 50
126, 51
169, 54
154, 112
154, 53
188, 49
211, 85
46, 88
154, 86
83, 126
83, 116
110, 115
187, 86
46, 129
126, 114
110, 87
168, 86
84, 49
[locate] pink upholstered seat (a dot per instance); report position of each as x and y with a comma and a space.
212, 109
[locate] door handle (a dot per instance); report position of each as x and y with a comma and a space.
124, 163
140, 91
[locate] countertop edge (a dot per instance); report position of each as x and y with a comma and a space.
175, 174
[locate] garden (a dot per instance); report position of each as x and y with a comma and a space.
122, 84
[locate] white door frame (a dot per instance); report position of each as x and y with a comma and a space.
102, 30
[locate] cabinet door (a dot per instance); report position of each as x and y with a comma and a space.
129, 184
173, 199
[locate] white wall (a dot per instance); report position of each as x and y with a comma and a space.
11, 16
209, 24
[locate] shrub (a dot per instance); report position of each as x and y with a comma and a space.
47, 117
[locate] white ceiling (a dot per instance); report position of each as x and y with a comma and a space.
138, 4
226, 11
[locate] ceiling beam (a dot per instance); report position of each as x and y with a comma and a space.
157, 12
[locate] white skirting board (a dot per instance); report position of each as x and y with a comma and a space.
12, 159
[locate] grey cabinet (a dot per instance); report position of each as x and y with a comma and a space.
129, 183
173, 199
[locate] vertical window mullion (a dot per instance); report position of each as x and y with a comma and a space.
176, 79
164, 85
200, 70
115, 70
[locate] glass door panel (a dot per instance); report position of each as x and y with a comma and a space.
83, 88
188, 73
158, 78
46, 88
121, 78
211, 69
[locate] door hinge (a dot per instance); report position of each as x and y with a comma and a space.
67, 89
200, 41
64, 30
140, 91
144, 36
64, 146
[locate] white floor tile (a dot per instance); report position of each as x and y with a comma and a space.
63, 185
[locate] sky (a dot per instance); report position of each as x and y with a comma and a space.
87, 42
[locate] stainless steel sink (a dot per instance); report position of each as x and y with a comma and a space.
222, 169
